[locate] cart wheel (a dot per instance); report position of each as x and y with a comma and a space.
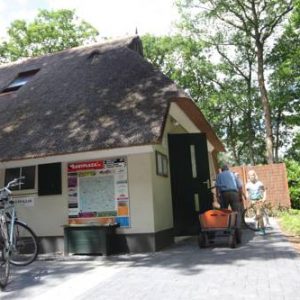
232, 240
202, 240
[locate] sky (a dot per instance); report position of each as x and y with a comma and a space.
112, 18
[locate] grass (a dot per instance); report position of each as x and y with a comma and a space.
290, 221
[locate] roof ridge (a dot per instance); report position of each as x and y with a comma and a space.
117, 41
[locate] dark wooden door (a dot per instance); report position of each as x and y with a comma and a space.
190, 180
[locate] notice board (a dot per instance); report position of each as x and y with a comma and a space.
98, 192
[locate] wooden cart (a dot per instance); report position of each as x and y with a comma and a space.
216, 222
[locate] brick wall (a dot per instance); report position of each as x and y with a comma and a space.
274, 178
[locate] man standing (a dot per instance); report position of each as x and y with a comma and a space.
228, 187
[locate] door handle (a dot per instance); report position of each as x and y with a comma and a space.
207, 182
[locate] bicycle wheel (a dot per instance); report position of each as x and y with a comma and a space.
4, 262
25, 245
249, 219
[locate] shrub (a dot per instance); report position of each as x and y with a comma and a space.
293, 170
290, 221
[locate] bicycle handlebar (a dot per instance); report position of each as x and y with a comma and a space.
12, 183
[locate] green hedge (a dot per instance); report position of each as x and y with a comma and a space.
290, 221
293, 170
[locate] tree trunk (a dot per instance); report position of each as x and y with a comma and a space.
251, 133
265, 102
232, 141
278, 121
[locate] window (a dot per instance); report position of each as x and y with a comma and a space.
193, 161
27, 172
21, 80
161, 164
49, 178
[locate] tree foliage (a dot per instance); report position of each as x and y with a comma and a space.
220, 59
293, 169
254, 22
285, 86
183, 60
49, 32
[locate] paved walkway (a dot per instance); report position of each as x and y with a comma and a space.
264, 267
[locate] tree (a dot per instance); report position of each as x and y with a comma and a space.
50, 31
254, 19
240, 96
285, 86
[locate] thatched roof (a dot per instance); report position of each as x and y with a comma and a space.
82, 99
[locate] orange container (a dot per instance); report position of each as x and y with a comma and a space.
123, 211
223, 218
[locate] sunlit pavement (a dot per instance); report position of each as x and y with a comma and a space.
263, 267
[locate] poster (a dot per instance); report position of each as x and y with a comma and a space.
98, 191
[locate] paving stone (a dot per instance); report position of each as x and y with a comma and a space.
263, 267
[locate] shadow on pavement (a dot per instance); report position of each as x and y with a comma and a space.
24, 277
184, 257
187, 256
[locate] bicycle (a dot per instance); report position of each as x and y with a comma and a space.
18, 242
250, 218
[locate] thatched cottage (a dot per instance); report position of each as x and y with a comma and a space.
103, 137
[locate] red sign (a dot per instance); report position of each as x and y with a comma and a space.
89, 165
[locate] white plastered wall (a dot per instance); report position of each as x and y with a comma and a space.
162, 195
49, 213
140, 193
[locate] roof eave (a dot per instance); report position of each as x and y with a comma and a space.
196, 116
